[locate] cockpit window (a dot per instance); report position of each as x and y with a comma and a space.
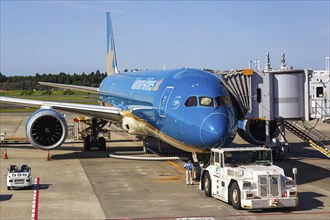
219, 101
206, 101
223, 100
191, 101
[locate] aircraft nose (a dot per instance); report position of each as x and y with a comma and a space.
213, 129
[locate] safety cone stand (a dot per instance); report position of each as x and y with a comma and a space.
5, 156
48, 158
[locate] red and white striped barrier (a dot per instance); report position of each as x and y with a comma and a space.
35, 201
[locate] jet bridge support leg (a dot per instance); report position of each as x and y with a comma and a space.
275, 143
283, 141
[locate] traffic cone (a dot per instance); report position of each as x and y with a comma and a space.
48, 158
5, 156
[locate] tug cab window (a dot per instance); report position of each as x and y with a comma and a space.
212, 158
206, 101
191, 101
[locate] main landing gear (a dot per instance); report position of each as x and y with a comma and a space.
92, 140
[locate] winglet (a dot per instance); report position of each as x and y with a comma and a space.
111, 52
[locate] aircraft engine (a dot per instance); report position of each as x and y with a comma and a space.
253, 131
46, 129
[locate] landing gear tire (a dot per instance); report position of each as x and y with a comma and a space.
207, 185
102, 144
87, 143
197, 172
8, 187
235, 196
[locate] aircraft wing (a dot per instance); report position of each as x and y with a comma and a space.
104, 112
72, 87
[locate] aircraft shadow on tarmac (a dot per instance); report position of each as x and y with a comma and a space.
43, 186
5, 197
309, 201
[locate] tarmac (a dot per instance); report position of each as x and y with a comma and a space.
90, 185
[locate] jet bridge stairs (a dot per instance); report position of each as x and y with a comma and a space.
308, 133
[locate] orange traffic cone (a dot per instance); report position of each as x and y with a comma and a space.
48, 158
5, 156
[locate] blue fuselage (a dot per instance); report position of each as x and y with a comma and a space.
187, 108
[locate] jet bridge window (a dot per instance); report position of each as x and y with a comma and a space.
191, 101
258, 95
206, 101
319, 92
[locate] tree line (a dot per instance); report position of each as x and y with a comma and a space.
93, 79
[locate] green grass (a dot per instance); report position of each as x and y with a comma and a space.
39, 92
57, 96
18, 110
75, 98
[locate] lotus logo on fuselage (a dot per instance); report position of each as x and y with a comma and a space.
176, 102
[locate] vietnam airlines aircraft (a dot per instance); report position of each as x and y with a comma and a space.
187, 108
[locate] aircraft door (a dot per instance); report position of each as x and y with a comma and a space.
319, 99
164, 100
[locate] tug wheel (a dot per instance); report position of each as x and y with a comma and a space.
235, 196
207, 185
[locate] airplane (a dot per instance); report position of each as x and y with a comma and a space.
187, 108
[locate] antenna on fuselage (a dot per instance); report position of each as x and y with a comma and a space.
111, 52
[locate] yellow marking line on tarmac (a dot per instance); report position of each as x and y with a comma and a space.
177, 166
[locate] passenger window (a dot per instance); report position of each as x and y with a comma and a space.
191, 101
206, 101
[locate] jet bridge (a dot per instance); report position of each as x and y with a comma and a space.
274, 99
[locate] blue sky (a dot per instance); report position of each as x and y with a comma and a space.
70, 36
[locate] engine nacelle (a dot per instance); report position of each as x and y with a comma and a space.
131, 126
254, 131
46, 129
